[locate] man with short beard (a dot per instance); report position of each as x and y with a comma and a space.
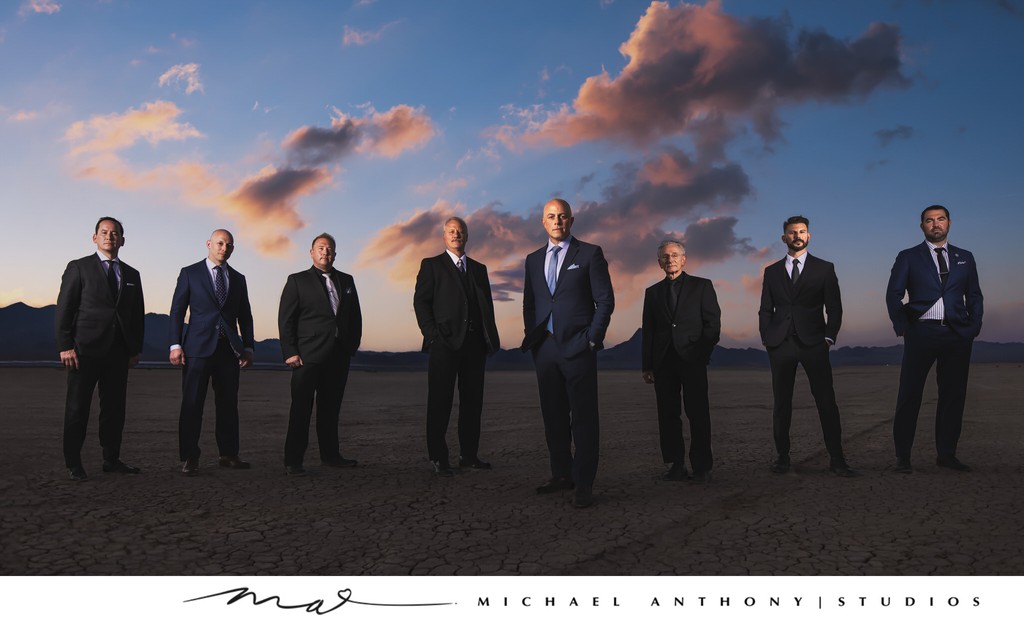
795, 332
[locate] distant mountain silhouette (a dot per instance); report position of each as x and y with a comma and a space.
27, 334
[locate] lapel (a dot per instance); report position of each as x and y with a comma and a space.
661, 298
929, 265
207, 281
318, 280
100, 273
686, 292
567, 258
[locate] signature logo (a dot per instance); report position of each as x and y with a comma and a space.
317, 606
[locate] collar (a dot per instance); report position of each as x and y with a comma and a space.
105, 259
564, 245
210, 265
456, 259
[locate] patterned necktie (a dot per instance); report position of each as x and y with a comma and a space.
553, 269
796, 270
332, 295
220, 286
943, 266
462, 268
112, 277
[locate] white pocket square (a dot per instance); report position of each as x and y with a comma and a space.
129, 284
961, 262
573, 267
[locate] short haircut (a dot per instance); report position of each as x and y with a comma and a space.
334, 244
935, 207
462, 222
796, 219
671, 242
120, 227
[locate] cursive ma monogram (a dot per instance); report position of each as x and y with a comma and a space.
314, 606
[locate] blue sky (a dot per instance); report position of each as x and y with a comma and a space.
375, 120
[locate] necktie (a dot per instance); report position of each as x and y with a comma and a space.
219, 285
112, 278
462, 268
332, 295
673, 295
553, 269
943, 266
796, 270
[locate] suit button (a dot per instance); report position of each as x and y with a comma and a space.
673, 325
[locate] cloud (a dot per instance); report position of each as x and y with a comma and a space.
689, 63
154, 122
442, 186
887, 135
353, 37
39, 6
22, 116
187, 73
268, 202
388, 134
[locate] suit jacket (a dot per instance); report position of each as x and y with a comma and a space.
194, 291
914, 273
582, 303
87, 311
696, 323
307, 325
785, 305
442, 305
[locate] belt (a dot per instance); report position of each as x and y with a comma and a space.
934, 322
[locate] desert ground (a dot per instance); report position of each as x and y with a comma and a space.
391, 516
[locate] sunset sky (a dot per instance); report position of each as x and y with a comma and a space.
375, 119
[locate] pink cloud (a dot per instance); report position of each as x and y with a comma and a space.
187, 73
153, 122
353, 37
47, 7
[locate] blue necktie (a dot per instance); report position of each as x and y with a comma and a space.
552, 280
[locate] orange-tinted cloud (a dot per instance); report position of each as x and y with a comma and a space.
689, 63
153, 122
397, 130
185, 72
47, 7
22, 116
353, 37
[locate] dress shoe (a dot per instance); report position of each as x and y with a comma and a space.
294, 470
442, 469
840, 468
473, 463
701, 478
339, 462
952, 463
119, 467
582, 498
190, 467
781, 464
675, 473
233, 462
77, 473
555, 485
903, 465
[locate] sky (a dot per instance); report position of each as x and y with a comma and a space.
374, 120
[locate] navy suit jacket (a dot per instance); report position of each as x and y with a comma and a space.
914, 273
785, 306
582, 303
442, 306
87, 311
308, 326
194, 291
695, 324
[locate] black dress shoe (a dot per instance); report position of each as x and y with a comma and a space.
701, 478
903, 465
781, 464
119, 467
555, 485
339, 462
473, 463
294, 470
840, 468
676, 473
952, 463
190, 467
442, 469
582, 498
233, 462
77, 473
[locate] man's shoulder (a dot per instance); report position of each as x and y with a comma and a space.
194, 267
819, 261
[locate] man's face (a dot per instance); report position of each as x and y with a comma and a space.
557, 220
671, 259
455, 237
220, 245
107, 239
796, 237
323, 254
935, 226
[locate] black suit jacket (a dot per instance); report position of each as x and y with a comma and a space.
442, 305
87, 311
194, 292
692, 330
786, 307
307, 325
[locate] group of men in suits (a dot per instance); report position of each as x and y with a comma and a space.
567, 306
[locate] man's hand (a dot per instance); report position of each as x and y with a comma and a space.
133, 361
648, 377
69, 358
177, 357
245, 359
294, 362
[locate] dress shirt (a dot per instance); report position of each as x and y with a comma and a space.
938, 310
116, 265
455, 259
564, 245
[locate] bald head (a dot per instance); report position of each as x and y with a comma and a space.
220, 246
557, 219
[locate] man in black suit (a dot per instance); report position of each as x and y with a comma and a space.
682, 323
793, 329
219, 341
99, 326
455, 314
567, 306
939, 322
320, 325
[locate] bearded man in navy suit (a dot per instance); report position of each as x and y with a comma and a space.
218, 342
938, 323
567, 306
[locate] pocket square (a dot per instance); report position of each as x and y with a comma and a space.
348, 290
961, 262
573, 267
129, 284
